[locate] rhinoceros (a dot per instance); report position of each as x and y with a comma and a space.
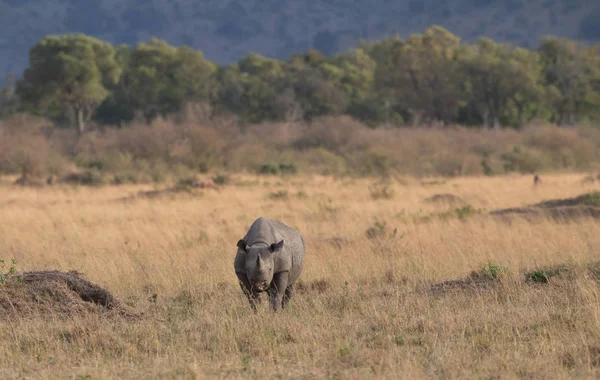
269, 258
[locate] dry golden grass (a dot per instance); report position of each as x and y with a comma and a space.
366, 310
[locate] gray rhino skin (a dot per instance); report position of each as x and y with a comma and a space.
269, 258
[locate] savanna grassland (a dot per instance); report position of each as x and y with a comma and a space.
393, 286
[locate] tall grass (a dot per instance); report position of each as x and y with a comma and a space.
365, 309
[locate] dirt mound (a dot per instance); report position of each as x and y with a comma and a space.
583, 206
54, 293
589, 199
446, 199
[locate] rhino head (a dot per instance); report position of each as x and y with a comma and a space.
260, 263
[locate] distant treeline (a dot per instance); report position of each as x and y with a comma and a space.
427, 78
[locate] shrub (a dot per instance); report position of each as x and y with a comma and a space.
89, 177
493, 271
269, 169
377, 230
185, 183
288, 169
544, 274
525, 160
280, 194
221, 180
592, 199
381, 191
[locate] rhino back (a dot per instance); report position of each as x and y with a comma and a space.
292, 255
262, 231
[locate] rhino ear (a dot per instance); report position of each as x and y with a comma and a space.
241, 244
276, 247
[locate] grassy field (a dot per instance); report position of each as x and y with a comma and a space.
371, 303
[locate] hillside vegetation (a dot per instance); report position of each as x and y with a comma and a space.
226, 30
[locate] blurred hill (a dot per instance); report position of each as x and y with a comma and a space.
226, 30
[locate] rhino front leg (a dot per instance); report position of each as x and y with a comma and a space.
280, 283
289, 292
253, 297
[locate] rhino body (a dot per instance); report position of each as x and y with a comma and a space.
269, 258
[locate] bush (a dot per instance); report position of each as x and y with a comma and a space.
269, 169
592, 199
280, 194
89, 177
185, 183
493, 271
381, 191
523, 160
274, 169
543, 275
221, 180
288, 169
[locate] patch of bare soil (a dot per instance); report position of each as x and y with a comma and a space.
316, 286
157, 194
337, 242
473, 282
446, 199
56, 294
583, 206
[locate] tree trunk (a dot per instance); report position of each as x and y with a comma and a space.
486, 119
80, 120
520, 117
496, 122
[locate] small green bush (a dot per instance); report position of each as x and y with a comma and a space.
592, 199
269, 169
274, 169
281, 194
493, 271
185, 183
381, 191
123, 179
465, 212
288, 169
221, 180
377, 230
543, 275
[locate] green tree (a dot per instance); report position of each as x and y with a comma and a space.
570, 72
357, 73
315, 84
117, 108
254, 89
383, 104
69, 71
160, 78
500, 78
529, 93
422, 74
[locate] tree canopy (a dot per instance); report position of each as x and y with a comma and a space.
426, 78
70, 71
